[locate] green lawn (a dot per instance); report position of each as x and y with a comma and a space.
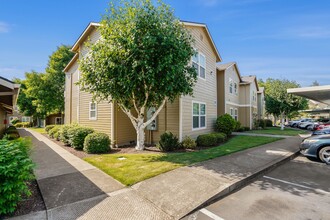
137, 167
277, 131
39, 130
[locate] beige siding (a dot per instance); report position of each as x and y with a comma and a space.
244, 116
75, 94
124, 130
103, 119
244, 97
165, 123
205, 90
67, 99
221, 93
231, 73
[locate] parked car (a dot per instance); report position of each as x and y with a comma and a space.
307, 125
321, 131
317, 146
295, 123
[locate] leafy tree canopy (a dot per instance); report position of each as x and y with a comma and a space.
141, 60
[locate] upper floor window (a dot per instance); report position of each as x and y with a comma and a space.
199, 62
235, 88
92, 111
199, 115
231, 84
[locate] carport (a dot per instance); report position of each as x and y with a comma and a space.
316, 93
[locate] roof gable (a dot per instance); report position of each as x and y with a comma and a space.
225, 66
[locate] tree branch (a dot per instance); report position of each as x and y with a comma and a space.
156, 113
134, 103
129, 114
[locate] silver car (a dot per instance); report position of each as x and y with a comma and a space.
318, 147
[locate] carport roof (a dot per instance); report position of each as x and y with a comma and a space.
317, 93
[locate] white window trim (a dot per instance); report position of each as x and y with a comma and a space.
89, 112
199, 65
231, 112
236, 90
192, 116
231, 85
236, 114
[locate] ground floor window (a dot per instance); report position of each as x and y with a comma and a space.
236, 114
92, 111
26, 119
58, 120
199, 115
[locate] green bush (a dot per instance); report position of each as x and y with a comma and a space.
63, 133
77, 136
225, 124
15, 171
11, 133
168, 142
53, 133
49, 127
188, 143
260, 123
221, 137
241, 129
18, 125
246, 128
237, 126
268, 123
207, 140
96, 143
23, 124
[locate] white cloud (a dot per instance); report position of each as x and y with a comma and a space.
4, 27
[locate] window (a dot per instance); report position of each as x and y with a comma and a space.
26, 119
199, 115
230, 86
92, 111
58, 120
235, 88
232, 112
236, 114
199, 63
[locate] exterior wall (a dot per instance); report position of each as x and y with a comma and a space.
74, 94
124, 132
245, 94
2, 118
221, 93
51, 120
261, 106
244, 116
168, 122
231, 73
205, 91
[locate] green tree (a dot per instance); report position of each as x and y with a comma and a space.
24, 102
279, 102
55, 77
141, 61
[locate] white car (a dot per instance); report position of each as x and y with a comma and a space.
307, 125
296, 122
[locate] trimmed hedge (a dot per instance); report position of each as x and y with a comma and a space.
97, 143
23, 124
268, 123
225, 124
15, 170
168, 142
188, 143
53, 133
11, 133
63, 133
211, 139
77, 136
49, 127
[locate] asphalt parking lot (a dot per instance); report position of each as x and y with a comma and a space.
298, 189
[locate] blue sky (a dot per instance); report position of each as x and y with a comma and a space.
268, 38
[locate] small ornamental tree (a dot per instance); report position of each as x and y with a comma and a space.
141, 61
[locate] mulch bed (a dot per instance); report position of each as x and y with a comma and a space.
127, 149
31, 204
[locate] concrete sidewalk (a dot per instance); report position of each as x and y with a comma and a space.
73, 189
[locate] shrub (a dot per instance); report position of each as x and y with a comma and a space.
11, 133
77, 136
268, 123
63, 133
18, 125
225, 124
221, 137
241, 129
260, 123
237, 126
246, 128
188, 143
97, 143
168, 142
23, 124
53, 133
49, 127
207, 140
15, 171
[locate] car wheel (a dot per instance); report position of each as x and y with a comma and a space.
324, 155
310, 127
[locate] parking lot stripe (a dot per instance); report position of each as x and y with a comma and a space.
210, 214
295, 184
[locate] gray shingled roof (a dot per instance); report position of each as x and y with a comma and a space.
225, 66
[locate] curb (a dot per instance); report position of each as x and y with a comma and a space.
241, 183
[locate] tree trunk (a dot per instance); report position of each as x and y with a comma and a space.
275, 119
140, 135
282, 122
